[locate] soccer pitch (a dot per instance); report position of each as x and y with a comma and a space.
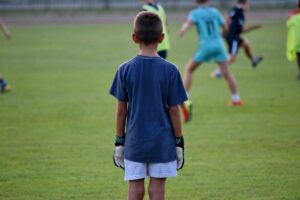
57, 126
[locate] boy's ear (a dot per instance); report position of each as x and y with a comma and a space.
134, 38
161, 38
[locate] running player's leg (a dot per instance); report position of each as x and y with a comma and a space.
187, 82
188, 74
233, 47
235, 97
157, 188
228, 77
247, 48
248, 51
136, 189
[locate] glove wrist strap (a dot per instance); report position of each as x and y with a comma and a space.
120, 140
179, 142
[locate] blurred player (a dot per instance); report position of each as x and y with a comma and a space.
4, 87
155, 7
149, 90
293, 40
235, 21
208, 22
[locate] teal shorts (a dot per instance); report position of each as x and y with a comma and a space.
211, 53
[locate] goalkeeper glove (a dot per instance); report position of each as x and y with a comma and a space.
179, 142
118, 157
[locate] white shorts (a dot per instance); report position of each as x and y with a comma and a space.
136, 170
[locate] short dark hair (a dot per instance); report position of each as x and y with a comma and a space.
202, 1
242, 1
147, 27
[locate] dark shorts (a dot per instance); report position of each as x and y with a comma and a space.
163, 54
234, 45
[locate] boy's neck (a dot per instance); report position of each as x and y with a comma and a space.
148, 50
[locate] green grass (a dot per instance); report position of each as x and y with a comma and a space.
57, 126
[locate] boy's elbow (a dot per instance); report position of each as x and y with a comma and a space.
174, 111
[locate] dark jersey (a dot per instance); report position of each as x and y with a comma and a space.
237, 17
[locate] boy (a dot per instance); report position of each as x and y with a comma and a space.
149, 90
235, 21
293, 39
4, 87
155, 7
208, 21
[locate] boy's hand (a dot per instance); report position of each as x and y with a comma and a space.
179, 142
119, 152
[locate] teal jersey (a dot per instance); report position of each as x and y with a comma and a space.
208, 22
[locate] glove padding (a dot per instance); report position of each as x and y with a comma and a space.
180, 157
119, 156
179, 142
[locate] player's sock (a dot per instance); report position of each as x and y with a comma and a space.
216, 73
235, 100
235, 97
298, 77
256, 60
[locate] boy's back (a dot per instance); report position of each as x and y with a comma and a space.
149, 85
208, 21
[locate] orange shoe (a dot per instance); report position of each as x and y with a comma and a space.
236, 103
186, 108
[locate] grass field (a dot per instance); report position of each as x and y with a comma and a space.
57, 126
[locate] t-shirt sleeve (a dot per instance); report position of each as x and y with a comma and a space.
117, 88
192, 17
177, 94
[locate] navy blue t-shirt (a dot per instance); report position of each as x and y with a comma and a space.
237, 17
150, 85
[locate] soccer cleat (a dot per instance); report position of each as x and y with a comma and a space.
256, 60
6, 89
236, 103
187, 110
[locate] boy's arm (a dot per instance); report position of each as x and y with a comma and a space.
121, 118
251, 28
5, 30
118, 157
174, 113
185, 27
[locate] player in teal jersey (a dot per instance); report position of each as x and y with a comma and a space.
154, 7
4, 87
208, 21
